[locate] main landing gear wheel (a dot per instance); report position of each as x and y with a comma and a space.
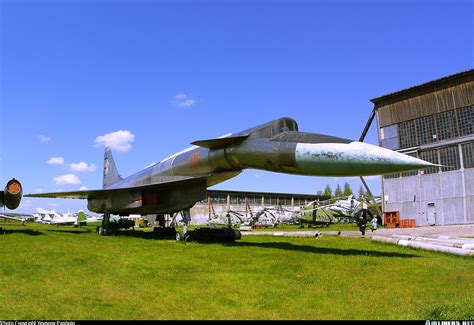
164, 232
103, 231
183, 237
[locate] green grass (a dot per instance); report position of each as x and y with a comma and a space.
51, 272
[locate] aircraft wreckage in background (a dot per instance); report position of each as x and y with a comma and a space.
176, 183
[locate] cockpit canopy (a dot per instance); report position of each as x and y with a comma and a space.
271, 129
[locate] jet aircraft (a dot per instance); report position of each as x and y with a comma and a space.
176, 183
52, 217
23, 217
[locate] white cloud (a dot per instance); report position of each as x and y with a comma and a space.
67, 179
183, 100
55, 161
82, 167
43, 138
26, 204
82, 188
39, 190
119, 140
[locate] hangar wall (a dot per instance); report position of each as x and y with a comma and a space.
435, 122
222, 201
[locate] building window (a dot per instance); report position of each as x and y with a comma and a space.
387, 176
468, 154
389, 137
465, 117
446, 125
407, 136
432, 157
449, 156
429, 129
426, 129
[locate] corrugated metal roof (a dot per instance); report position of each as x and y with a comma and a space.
440, 81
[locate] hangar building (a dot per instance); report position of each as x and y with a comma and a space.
219, 201
433, 121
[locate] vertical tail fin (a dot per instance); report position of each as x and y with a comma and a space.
81, 218
111, 174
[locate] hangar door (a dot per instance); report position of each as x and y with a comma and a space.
431, 214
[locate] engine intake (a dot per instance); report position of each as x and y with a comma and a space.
11, 195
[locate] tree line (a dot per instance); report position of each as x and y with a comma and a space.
338, 192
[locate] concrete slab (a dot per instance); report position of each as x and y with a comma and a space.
454, 239
451, 231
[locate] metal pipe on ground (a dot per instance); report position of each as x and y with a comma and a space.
406, 237
459, 241
441, 243
454, 242
438, 248
285, 233
468, 246
388, 240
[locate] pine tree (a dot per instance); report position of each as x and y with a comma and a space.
327, 190
347, 190
338, 191
361, 193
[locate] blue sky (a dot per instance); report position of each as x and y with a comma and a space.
166, 73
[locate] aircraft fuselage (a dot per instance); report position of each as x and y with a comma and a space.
276, 146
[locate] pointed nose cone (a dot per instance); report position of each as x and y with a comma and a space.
353, 159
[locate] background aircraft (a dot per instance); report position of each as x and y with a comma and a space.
316, 214
22, 217
346, 206
176, 183
116, 223
86, 220
52, 217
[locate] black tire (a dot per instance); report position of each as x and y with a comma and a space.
102, 231
186, 237
157, 231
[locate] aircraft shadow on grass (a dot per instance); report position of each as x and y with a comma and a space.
67, 231
143, 235
322, 250
21, 231
278, 245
